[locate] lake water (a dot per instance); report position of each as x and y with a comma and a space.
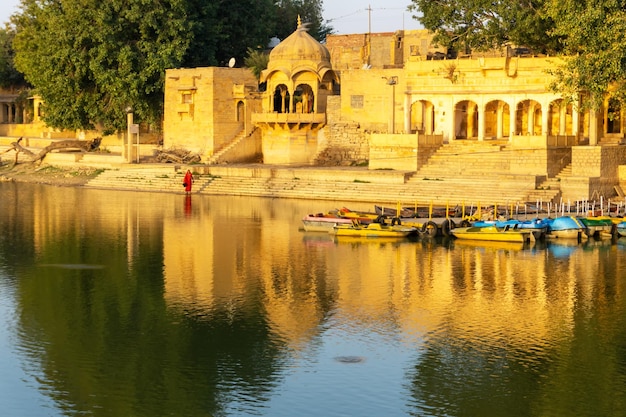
142, 304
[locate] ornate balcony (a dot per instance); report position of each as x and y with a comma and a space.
291, 121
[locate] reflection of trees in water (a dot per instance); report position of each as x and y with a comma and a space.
500, 331
104, 339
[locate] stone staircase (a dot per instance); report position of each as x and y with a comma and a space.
468, 159
468, 170
319, 187
466, 173
144, 177
550, 189
217, 156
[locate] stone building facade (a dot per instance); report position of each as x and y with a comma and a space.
208, 109
389, 101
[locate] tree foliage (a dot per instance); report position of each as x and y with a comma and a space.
480, 25
90, 61
309, 12
588, 34
594, 49
257, 61
9, 76
226, 29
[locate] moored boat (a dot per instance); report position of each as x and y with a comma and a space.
538, 227
621, 229
372, 230
566, 227
322, 222
493, 233
598, 227
360, 216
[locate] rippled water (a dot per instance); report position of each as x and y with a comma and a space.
137, 304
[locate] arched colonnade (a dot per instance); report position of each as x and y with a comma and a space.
493, 118
497, 119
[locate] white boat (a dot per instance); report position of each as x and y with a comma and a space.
323, 222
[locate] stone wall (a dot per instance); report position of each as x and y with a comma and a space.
393, 152
205, 108
539, 161
341, 142
595, 172
427, 145
387, 49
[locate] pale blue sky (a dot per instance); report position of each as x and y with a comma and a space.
354, 16
7, 8
346, 16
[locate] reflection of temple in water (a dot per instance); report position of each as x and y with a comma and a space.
409, 287
229, 255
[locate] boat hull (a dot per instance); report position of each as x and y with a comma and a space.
566, 227
567, 234
492, 233
372, 230
322, 223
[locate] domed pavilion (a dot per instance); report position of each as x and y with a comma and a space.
298, 79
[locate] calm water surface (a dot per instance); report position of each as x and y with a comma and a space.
138, 304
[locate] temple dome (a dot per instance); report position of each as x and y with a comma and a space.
300, 46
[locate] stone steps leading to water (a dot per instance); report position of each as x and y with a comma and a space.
424, 191
494, 191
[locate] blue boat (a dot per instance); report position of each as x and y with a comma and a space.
538, 227
566, 227
621, 229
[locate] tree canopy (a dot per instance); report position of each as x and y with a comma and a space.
90, 61
587, 34
9, 76
594, 48
480, 25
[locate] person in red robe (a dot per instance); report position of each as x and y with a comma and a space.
188, 181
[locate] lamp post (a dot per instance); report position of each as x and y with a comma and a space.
129, 144
392, 81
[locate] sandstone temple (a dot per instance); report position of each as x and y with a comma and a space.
386, 101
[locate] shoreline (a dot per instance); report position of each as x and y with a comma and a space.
48, 174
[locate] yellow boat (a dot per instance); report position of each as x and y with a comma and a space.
372, 230
492, 233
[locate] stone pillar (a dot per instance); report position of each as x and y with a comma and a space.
545, 116
512, 121
452, 122
471, 112
499, 121
407, 113
481, 125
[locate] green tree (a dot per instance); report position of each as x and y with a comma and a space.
480, 25
89, 61
239, 25
309, 11
594, 49
9, 76
257, 61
